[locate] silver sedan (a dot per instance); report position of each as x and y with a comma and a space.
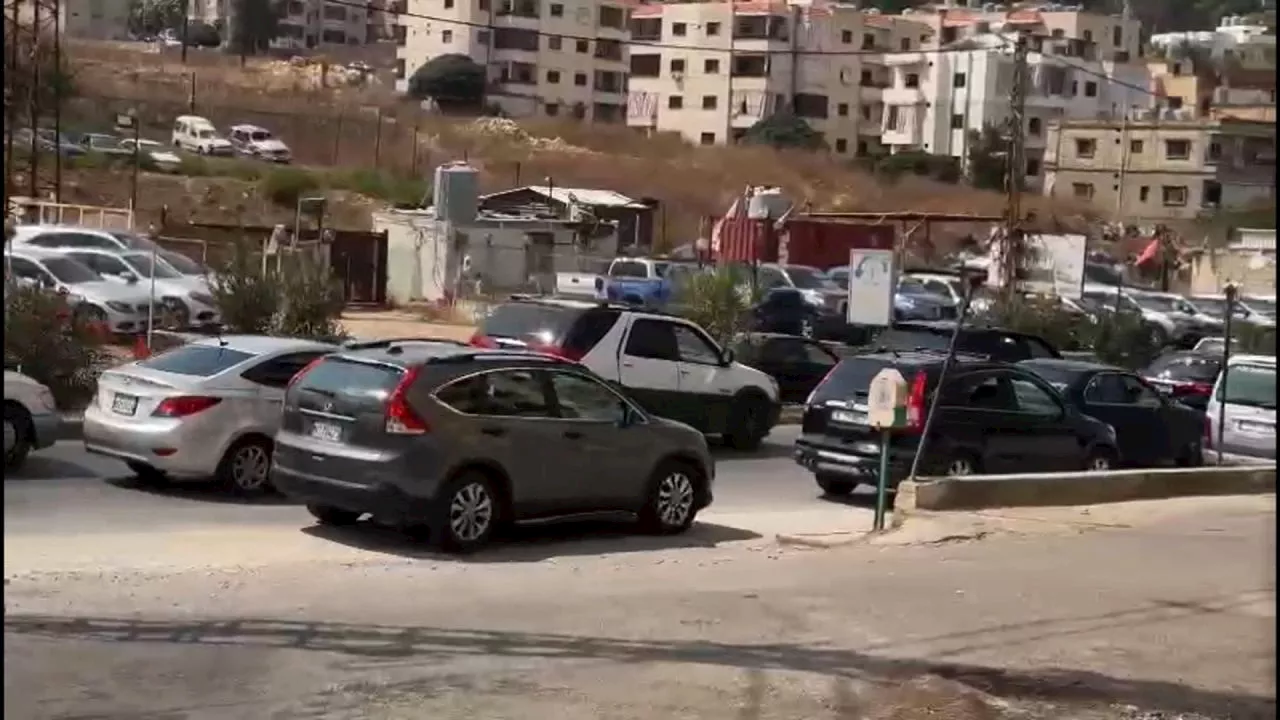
204, 410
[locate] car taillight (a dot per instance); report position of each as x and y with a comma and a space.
916, 409
184, 405
401, 418
482, 341
306, 369
1193, 388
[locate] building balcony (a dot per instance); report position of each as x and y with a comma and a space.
903, 96
904, 59
908, 135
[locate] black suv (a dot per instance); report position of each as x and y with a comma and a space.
991, 343
992, 418
460, 439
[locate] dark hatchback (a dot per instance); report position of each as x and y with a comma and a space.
987, 342
1151, 430
992, 418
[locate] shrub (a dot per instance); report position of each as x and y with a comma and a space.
285, 186
311, 300
246, 291
43, 340
293, 294
1123, 339
717, 302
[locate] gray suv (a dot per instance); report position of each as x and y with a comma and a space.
460, 440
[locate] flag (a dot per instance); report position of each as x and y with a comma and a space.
1149, 252
736, 211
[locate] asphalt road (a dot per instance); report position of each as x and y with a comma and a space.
63, 490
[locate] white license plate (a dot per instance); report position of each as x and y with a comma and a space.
329, 432
124, 404
847, 417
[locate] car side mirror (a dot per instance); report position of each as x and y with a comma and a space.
129, 277
727, 358
628, 416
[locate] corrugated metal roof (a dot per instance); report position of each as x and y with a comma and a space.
582, 196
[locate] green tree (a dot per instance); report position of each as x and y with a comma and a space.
254, 24
456, 83
988, 158
151, 17
784, 130
718, 301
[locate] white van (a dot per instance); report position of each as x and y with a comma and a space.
196, 134
1247, 403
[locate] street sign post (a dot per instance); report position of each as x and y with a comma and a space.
872, 280
887, 411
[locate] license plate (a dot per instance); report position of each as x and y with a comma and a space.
329, 432
124, 404
850, 418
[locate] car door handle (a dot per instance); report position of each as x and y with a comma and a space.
684, 372
573, 434
493, 431
627, 364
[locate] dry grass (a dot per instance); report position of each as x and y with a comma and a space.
371, 129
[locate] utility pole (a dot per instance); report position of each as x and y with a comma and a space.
1011, 259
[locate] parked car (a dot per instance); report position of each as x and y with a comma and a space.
1247, 401
122, 308
1186, 375
814, 286
207, 409
1242, 311
196, 134
258, 142
947, 285
1164, 328
1151, 430
46, 140
460, 439
667, 363
188, 303
637, 281
912, 301
1264, 305
784, 310
988, 342
1213, 345
104, 144
160, 157
31, 419
1195, 323
797, 364
992, 418
192, 270
71, 236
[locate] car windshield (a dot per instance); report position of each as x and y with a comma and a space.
197, 360
71, 272
142, 263
629, 269
532, 321
182, 263
1159, 303
807, 278
259, 135
1183, 366
134, 241
204, 133
908, 286
1249, 384
1212, 306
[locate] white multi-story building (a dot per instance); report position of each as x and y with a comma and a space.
1251, 45
304, 24
715, 69
545, 58
88, 19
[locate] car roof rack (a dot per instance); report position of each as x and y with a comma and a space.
388, 342
481, 354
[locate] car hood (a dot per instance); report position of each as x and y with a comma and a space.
107, 291
271, 145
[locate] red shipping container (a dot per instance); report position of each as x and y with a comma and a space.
825, 243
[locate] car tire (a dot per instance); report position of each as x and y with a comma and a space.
834, 485
147, 475
18, 432
671, 505
468, 512
748, 424
1100, 459
1192, 455
333, 516
961, 465
245, 469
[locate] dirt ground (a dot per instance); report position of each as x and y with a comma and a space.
401, 324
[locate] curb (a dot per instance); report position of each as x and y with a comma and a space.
71, 426
839, 538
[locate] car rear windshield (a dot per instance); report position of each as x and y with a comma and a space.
904, 339
851, 379
530, 321
1249, 384
196, 360
337, 377
1188, 367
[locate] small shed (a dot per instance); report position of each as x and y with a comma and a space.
635, 219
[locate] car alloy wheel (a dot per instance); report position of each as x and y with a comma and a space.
959, 467
675, 499
806, 328
250, 467
470, 512
1099, 463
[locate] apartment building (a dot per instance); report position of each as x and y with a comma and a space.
1154, 165
87, 19
718, 68
1248, 45
304, 24
546, 58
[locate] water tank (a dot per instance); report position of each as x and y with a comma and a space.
457, 192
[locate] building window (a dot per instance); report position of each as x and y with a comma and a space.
868, 41
552, 109
1177, 149
912, 80
842, 145
1033, 167
1084, 191
711, 67
905, 44
553, 76
842, 109
557, 10
612, 17
1211, 194
846, 37
1214, 153
584, 46
679, 29
713, 29
675, 102
958, 80
1174, 195
1117, 36
1144, 193
448, 4
862, 148
400, 68
1091, 89
554, 42
957, 121
482, 37
708, 102
866, 79
1034, 126
580, 79
866, 112
446, 36
1087, 35
1135, 147
708, 139
677, 65
1086, 147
